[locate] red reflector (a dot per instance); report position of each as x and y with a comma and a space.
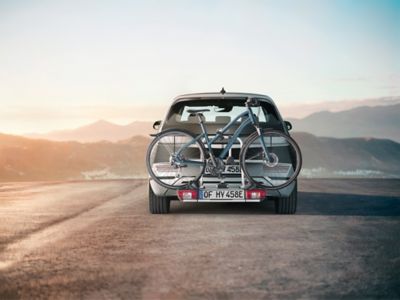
187, 194
255, 194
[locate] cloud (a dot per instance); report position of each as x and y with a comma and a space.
351, 79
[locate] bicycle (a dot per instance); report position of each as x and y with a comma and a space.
177, 158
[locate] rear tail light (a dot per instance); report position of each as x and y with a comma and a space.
187, 194
255, 194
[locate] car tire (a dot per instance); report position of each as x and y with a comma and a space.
287, 205
158, 204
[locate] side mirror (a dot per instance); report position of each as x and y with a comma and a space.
288, 125
156, 124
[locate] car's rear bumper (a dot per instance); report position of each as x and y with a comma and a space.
162, 191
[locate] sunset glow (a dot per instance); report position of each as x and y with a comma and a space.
63, 63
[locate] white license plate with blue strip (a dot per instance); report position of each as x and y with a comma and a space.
221, 194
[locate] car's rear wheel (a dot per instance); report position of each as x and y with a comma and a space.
158, 204
287, 205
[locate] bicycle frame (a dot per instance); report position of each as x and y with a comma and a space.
220, 133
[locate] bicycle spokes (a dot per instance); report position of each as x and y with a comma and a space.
271, 160
175, 159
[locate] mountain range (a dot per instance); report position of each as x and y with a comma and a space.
302, 110
365, 121
98, 131
377, 122
360, 142
25, 159
356, 157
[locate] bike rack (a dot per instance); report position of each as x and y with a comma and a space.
241, 171
223, 180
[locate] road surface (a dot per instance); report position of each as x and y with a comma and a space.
96, 240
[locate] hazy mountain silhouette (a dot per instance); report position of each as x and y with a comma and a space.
98, 131
119, 150
25, 159
365, 121
302, 110
360, 156
377, 122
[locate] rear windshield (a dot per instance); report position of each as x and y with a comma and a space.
218, 114
221, 112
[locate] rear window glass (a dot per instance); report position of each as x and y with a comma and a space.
218, 114
221, 112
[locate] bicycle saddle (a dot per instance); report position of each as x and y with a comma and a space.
196, 111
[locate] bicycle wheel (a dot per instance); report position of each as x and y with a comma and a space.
175, 159
280, 169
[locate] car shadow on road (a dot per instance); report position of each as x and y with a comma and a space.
309, 203
222, 208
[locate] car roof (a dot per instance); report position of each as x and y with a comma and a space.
220, 96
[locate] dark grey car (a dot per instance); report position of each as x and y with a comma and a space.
233, 179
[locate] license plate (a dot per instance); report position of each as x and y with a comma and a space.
229, 169
229, 194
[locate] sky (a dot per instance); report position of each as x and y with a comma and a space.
63, 61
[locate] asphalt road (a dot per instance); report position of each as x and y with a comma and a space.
96, 240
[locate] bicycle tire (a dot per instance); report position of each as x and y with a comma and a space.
247, 145
150, 162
